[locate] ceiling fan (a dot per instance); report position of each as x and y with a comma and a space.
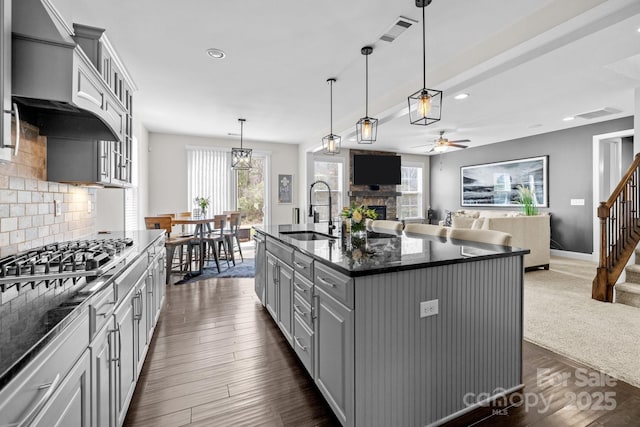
442, 144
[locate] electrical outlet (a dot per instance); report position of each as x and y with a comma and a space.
428, 308
577, 202
57, 207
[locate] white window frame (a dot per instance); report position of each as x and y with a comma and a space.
420, 191
336, 194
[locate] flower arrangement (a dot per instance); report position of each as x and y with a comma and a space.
358, 216
527, 199
202, 203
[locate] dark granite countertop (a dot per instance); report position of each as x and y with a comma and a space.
385, 253
26, 348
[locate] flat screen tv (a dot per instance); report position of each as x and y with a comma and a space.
376, 170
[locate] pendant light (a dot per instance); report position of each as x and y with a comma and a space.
241, 157
367, 127
331, 142
425, 105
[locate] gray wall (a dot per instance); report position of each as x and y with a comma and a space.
570, 177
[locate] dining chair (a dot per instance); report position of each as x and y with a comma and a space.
170, 243
232, 235
186, 230
216, 241
417, 230
386, 226
493, 237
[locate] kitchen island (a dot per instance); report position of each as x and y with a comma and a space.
403, 332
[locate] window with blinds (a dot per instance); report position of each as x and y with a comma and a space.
132, 221
209, 174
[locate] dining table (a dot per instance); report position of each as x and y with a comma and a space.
201, 223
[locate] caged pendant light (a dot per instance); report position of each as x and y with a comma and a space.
367, 127
331, 142
241, 157
425, 105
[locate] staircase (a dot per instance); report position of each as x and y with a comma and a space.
619, 235
629, 292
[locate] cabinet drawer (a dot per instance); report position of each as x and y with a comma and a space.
303, 288
303, 265
31, 389
303, 310
303, 343
283, 252
335, 284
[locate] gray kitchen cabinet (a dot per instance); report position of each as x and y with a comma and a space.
334, 354
271, 285
285, 299
103, 376
141, 327
279, 294
5, 81
261, 266
126, 358
70, 404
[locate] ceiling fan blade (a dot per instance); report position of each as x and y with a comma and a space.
460, 140
457, 145
423, 145
431, 149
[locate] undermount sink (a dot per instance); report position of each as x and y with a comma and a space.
307, 235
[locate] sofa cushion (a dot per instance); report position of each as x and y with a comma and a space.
477, 223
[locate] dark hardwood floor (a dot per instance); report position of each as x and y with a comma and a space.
217, 359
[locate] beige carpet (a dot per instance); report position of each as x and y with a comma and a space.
560, 315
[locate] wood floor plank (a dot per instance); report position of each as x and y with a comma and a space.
218, 359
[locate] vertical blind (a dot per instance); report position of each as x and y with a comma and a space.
132, 219
210, 175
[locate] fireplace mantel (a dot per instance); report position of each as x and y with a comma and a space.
369, 193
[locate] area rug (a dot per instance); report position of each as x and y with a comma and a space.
560, 315
246, 268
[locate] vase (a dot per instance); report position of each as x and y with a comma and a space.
358, 235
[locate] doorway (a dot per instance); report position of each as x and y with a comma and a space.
251, 190
612, 155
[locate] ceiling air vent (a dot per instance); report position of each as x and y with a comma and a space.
590, 115
397, 28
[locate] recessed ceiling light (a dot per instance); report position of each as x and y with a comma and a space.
216, 53
461, 96
568, 119
639, 30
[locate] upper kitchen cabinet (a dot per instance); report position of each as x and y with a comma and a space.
71, 84
7, 146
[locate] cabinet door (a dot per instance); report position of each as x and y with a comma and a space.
285, 295
141, 330
70, 405
5, 79
334, 356
126, 357
261, 265
271, 291
103, 376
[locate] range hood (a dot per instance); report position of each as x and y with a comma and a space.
55, 83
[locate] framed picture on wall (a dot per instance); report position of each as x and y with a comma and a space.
496, 184
285, 189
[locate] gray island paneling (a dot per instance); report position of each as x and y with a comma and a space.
354, 319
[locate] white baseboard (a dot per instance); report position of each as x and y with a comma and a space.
574, 255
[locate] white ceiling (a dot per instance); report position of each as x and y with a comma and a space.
525, 63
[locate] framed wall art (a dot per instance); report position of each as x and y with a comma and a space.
496, 184
285, 189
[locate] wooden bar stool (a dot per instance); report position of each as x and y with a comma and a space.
170, 243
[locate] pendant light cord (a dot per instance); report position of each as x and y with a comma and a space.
424, 50
366, 86
241, 132
331, 106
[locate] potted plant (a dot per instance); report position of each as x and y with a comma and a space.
202, 203
527, 199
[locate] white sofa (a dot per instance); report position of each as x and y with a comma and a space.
530, 232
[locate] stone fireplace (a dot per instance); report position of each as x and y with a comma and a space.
383, 200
